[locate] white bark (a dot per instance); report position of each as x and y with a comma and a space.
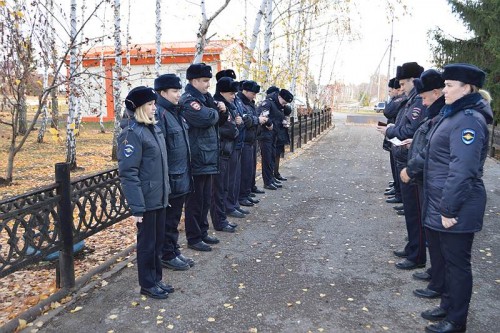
301, 20
158, 38
267, 42
202, 40
127, 44
54, 63
70, 125
45, 80
79, 81
117, 83
253, 40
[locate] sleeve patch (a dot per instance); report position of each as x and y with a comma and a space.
415, 113
468, 136
195, 105
128, 150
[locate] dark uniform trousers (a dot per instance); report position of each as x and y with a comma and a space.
455, 252
437, 263
197, 207
219, 194
254, 170
174, 213
247, 170
149, 253
234, 181
412, 198
267, 151
395, 175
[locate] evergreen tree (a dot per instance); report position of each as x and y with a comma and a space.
482, 18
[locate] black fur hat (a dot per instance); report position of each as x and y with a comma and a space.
250, 86
196, 71
272, 89
227, 84
139, 96
286, 95
429, 80
465, 73
225, 73
167, 81
410, 70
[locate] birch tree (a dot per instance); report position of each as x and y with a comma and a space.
201, 36
267, 42
70, 122
45, 80
54, 112
117, 80
158, 38
253, 41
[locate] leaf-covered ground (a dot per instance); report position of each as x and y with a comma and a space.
34, 167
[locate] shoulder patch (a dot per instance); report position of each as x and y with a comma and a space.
415, 113
468, 136
195, 105
128, 150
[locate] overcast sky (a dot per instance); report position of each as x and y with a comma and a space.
356, 61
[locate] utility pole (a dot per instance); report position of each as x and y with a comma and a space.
390, 49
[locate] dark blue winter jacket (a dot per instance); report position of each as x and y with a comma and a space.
175, 131
392, 108
228, 132
416, 152
143, 166
250, 119
271, 108
407, 122
454, 164
203, 118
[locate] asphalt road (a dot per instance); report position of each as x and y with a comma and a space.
315, 256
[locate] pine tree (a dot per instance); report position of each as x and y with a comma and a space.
482, 50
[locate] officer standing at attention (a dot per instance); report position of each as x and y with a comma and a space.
282, 139
413, 113
249, 90
271, 107
203, 116
397, 99
225, 91
143, 169
455, 197
429, 86
175, 131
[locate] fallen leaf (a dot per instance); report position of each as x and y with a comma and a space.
385, 328
22, 324
252, 330
170, 326
78, 308
364, 308
134, 303
322, 295
159, 317
147, 307
350, 299
305, 289
289, 304
297, 302
113, 317
162, 310
211, 319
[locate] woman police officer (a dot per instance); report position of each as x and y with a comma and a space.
455, 197
143, 169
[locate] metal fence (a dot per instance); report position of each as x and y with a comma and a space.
54, 218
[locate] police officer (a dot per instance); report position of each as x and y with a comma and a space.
455, 197
397, 100
175, 131
203, 116
282, 139
413, 113
143, 169
249, 90
429, 86
226, 89
271, 107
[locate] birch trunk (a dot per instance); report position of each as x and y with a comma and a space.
45, 80
158, 38
253, 41
54, 123
267, 42
316, 98
79, 81
117, 83
70, 125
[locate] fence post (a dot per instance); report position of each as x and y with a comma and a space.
292, 136
299, 139
66, 260
316, 124
305, 131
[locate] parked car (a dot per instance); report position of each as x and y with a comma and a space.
379, 107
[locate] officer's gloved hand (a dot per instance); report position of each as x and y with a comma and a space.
247, 121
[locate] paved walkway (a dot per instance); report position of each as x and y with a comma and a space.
315, 256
